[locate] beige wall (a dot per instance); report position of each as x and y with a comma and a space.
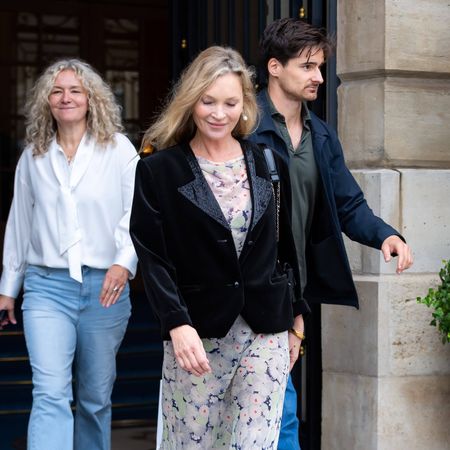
394, 61
386, 379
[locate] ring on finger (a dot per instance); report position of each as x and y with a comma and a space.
115, 288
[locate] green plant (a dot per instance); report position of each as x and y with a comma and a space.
439, 300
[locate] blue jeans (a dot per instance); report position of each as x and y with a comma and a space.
289, 422
64, 321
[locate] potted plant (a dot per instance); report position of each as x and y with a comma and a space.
439, 300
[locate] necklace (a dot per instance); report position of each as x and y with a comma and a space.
70, 158
69, 148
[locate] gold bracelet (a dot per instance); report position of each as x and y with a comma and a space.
297, 333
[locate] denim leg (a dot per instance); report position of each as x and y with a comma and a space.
289, 422
51, 339
100, 332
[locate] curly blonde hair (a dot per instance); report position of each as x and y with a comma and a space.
175, 124
103, 118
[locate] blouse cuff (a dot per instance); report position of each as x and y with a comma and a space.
11, 283
126, 257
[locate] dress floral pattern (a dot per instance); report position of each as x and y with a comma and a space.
229, 183
237, 406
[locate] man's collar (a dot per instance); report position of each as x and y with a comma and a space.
273, 111
306, 115
266, 123
276, 115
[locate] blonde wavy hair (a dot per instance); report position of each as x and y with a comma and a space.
103, 117
175, 124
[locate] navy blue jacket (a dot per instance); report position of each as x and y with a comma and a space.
340, 207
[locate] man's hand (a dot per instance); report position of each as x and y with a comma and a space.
393, 244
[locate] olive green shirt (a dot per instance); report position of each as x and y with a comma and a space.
304, 181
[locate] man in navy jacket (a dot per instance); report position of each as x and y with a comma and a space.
326, 200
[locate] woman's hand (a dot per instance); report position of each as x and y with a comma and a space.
189, 351
7, 304
113, 285
295, 343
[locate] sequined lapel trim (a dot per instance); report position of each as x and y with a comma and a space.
199, 193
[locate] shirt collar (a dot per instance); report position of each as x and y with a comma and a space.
279, 118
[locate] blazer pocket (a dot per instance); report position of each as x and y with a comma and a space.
191, 287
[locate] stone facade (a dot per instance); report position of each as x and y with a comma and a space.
386, 374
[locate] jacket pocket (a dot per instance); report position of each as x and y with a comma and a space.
328, 266
190, 287
278, 278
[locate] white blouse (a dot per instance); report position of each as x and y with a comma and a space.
71, 216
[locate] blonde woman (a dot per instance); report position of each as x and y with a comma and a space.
203, 223
67, 241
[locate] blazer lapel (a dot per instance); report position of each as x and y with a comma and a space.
319, 137
199, 193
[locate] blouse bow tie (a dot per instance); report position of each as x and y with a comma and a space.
69, 231
66, 208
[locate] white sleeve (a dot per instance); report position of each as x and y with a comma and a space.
18, 232
125, 253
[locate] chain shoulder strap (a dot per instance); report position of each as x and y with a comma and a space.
270, 160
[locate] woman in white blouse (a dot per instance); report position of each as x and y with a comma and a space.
67, 242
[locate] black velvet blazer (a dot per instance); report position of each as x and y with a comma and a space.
191, 271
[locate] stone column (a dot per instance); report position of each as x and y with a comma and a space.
386, 374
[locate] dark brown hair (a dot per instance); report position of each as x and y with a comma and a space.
284, 39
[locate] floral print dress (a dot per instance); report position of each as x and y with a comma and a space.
239, 405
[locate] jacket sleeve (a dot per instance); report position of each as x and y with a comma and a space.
286, 245
356, 219
158, 273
